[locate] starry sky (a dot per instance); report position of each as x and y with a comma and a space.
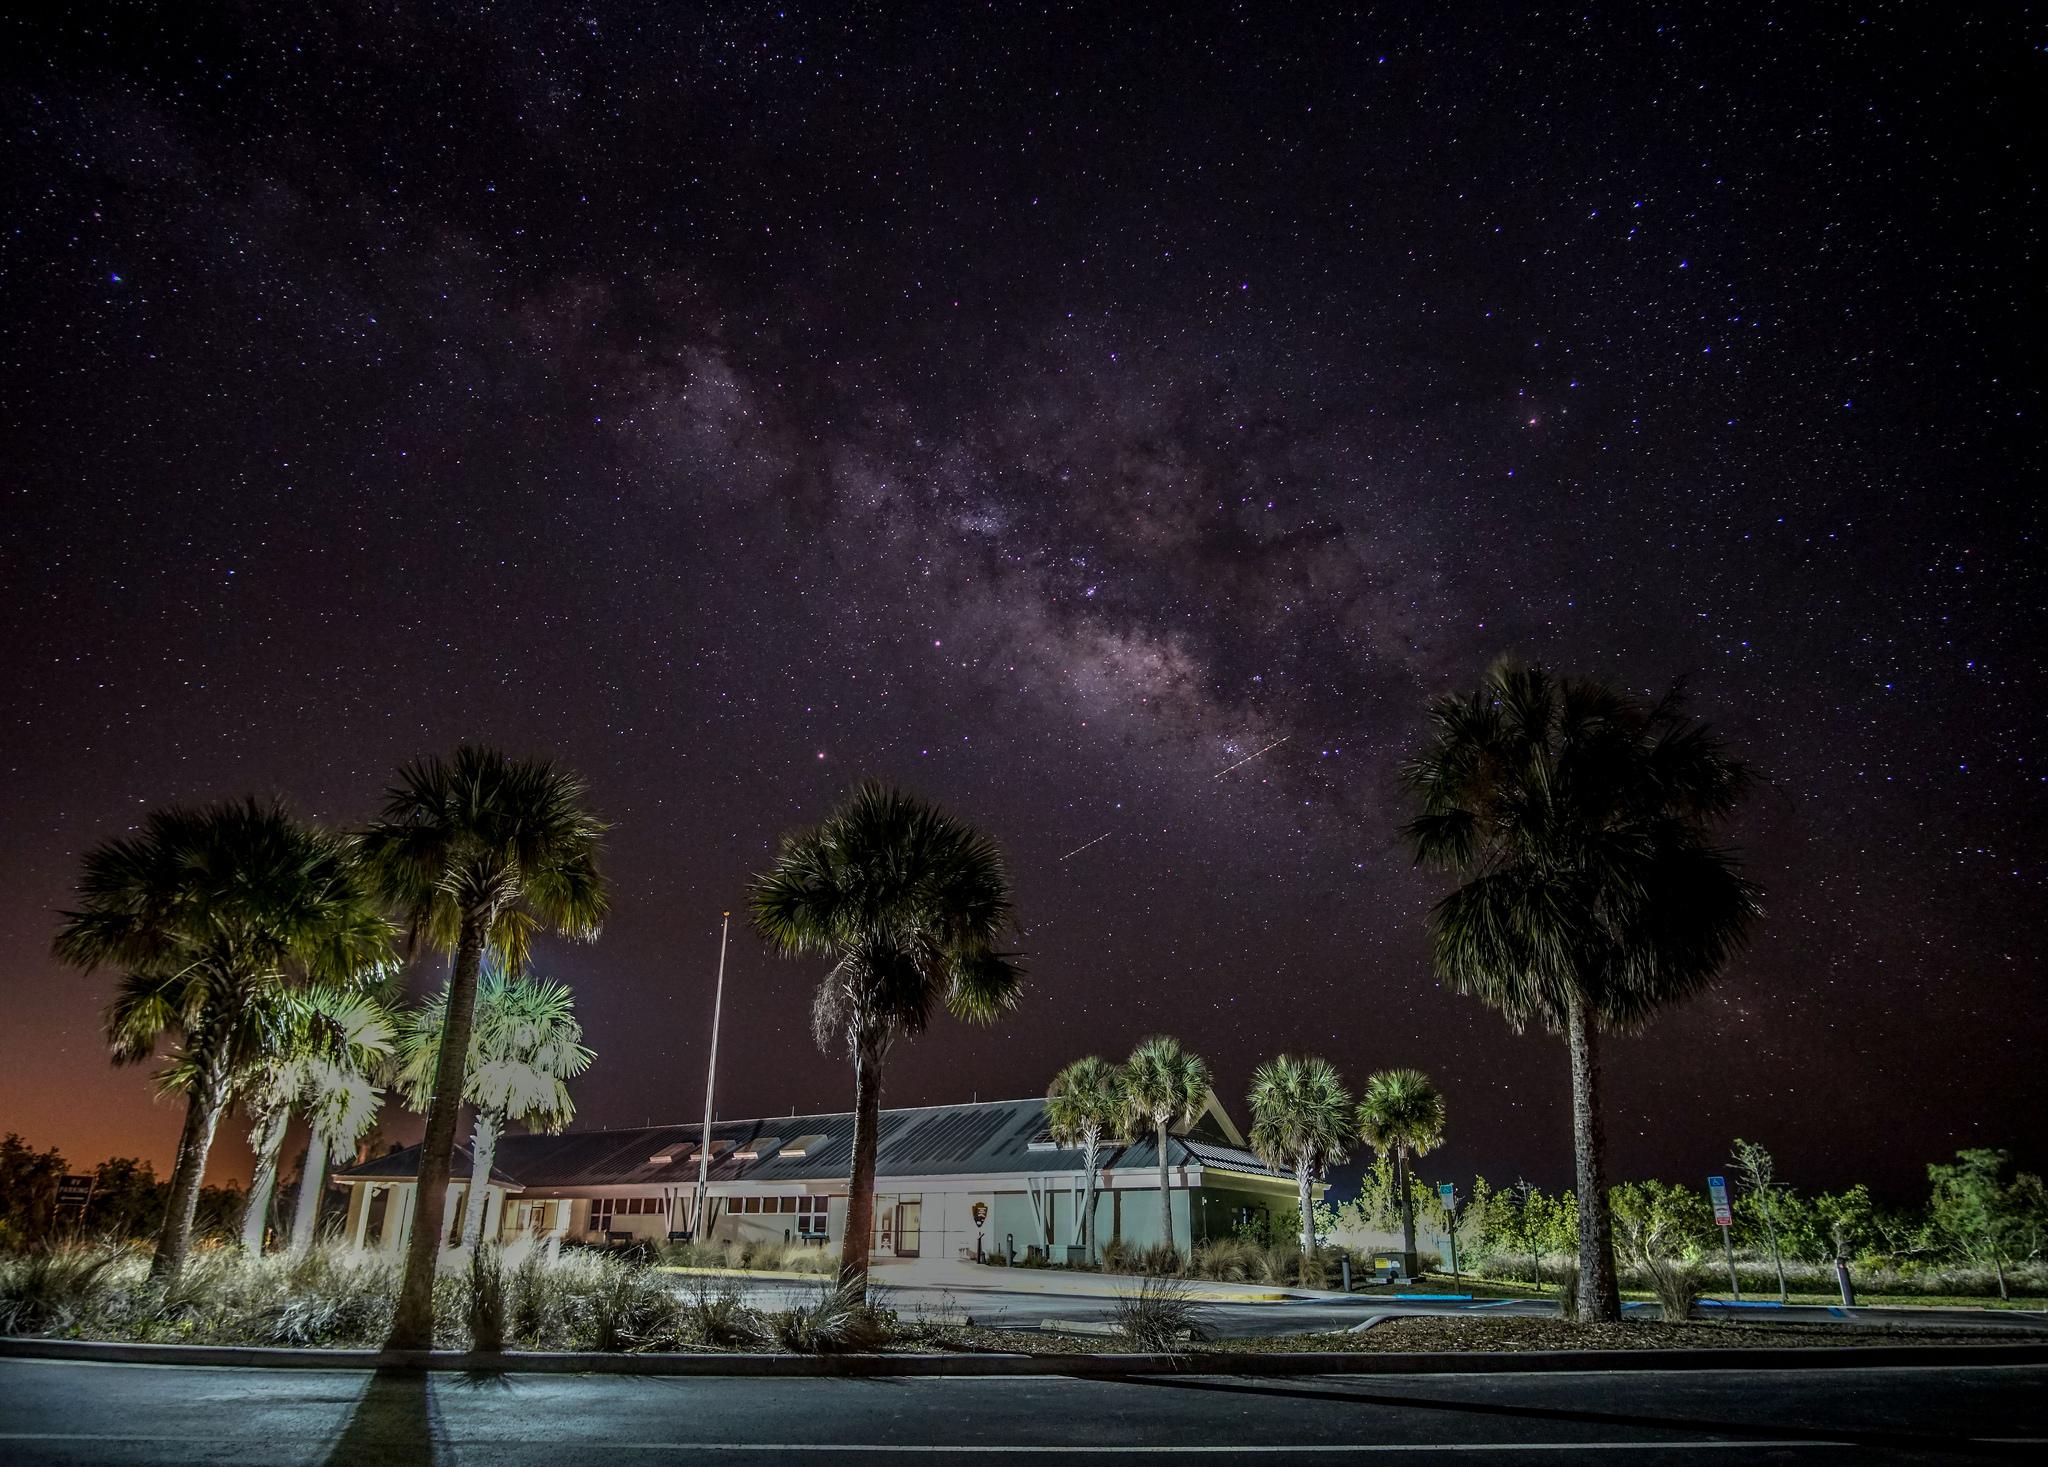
1047, 409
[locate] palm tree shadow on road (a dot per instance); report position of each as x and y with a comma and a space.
394, 1424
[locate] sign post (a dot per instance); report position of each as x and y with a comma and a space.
1449, 1194
1724, 1219
75, 1191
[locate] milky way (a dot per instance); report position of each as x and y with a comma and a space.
1047, 412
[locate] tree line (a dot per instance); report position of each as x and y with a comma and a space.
1979, 1214
1581, 827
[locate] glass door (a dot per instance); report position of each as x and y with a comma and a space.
909, 1226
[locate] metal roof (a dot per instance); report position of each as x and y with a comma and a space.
991, 1137
406, 1163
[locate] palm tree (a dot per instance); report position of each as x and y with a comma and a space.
908, 903
1083, 1102
479, 853
1581, 822
524, 1045
321, 1022
1402, 1115
1301, 1120
211, 914
341, 1103
1165, 1085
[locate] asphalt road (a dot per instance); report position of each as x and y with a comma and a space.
124, 1415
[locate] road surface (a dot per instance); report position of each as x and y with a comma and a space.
130, 1416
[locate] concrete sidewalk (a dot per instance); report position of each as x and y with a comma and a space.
983, 1279
939, 1276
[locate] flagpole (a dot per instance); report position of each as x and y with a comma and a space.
710, 1083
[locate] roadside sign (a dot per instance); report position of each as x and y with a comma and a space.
74, 1191
1448, 1192
1717, 1188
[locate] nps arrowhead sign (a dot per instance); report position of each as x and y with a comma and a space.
1717, 1188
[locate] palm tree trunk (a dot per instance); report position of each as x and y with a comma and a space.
412, 1322
1308, 1225
483, 1148
1599, 1294
202, 1116
312, 1186
267, 1140
1088, 1201
1165, 1196
860, 1188
1410, 1260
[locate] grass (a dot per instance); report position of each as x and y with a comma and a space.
525, 1299
1156, 1317
807, 1258
1521, 1288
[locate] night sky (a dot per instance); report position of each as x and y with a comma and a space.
1047, 410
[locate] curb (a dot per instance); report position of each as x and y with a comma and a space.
999, 1285
517, 1362
747, 1275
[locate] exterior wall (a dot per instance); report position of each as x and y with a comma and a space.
1126, 1209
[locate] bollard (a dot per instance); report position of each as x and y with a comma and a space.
1346, 1262
1842, 1278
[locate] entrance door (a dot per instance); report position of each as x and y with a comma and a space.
909, 1226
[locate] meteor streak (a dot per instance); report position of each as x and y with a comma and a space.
1212, 779
1078, 849
1249, 757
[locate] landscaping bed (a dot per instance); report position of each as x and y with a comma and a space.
591, 1303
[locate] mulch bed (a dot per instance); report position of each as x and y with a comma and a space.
1417, 1333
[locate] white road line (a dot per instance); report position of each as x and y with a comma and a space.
968, 1449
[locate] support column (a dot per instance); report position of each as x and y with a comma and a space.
394, 1240
359, 1212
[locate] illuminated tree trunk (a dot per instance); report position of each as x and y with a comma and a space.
483, 1150
312, 1186
1089, 1158
1165, 1195
1599, 1293
202, 1117
412, 1322
1411, 1261
266, 1140
860, 1189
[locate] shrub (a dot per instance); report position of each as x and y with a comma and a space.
486, 1299
719, 1318
840, 1318
624, 1307
1158, 1316
1161, 1260
53, 1289
322, 1300
1280, 1264
1228, 1260
805, 1258
1676, 1284
539, 1300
